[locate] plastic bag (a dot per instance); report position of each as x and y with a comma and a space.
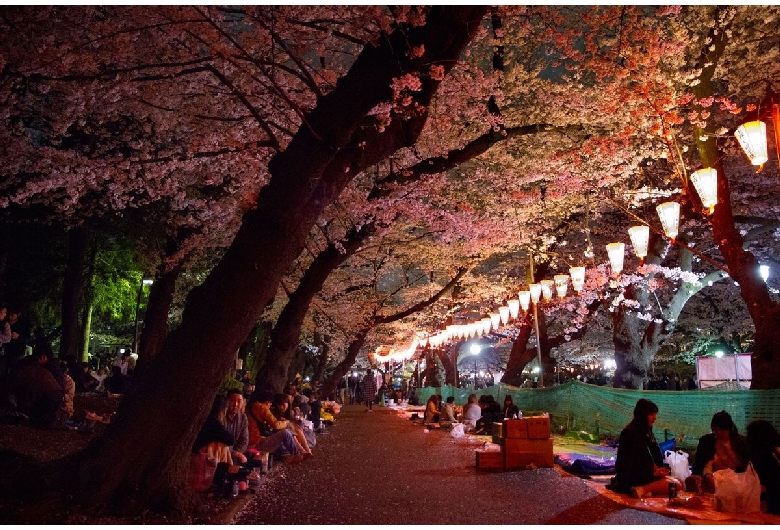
678, 464
737, 492
457, 431
202, 469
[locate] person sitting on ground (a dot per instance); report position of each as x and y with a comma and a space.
432, 409
100, 376
236, 423
491, 413
723, 448
447, 416
281, 404
639, 465
83, 378
67, 409
36, 393
53, 366
471, 412
315, 410
510, 409
269, 434
764, 445
213, 438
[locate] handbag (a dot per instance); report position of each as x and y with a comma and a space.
737, 492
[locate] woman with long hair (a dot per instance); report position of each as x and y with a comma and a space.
723, 448
639, 466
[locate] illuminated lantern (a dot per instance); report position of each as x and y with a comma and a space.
616, 252
547, 286
577, 277
764, 271
495, 320
485, 325
504, 312
561, 284
423, 343
640, 236
514, 307
752, 139
669, 213
706, 183
536, 292
525, 299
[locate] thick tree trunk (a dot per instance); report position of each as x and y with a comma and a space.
519, 357
343, 367
286, 333
72, 291
431, 373
155, 327
142, 459
445, 356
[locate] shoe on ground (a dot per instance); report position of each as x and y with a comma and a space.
293, 459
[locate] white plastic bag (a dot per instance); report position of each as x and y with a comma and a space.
457, 431
737, 492
678, 464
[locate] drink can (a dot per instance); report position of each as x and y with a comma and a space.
672, 489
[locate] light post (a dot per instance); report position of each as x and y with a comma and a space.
475, 349
137, 308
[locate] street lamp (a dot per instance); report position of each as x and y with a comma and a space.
137, 308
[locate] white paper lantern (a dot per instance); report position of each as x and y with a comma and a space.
669, 213
706, 183
485, 325
577, 278
616, 252
640, 236
525, 299
752, 139
536, 292
514, 307
547, 287
504, 312
561, 285
495, 320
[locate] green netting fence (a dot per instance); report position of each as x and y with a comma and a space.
604, 411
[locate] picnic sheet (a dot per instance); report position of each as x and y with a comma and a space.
705, 515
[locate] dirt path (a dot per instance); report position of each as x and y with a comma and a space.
376, 468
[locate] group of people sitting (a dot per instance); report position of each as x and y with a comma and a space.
477, 415
640, 469
282, 425
42, 390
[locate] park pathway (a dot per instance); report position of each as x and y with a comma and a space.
377, 468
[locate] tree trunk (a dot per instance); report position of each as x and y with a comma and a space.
343, 367
287, 331
519, 357
431, 374
87, 330
445, 356
155, 327
142, 458
72, 291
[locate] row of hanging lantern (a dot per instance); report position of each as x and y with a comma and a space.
751, 137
